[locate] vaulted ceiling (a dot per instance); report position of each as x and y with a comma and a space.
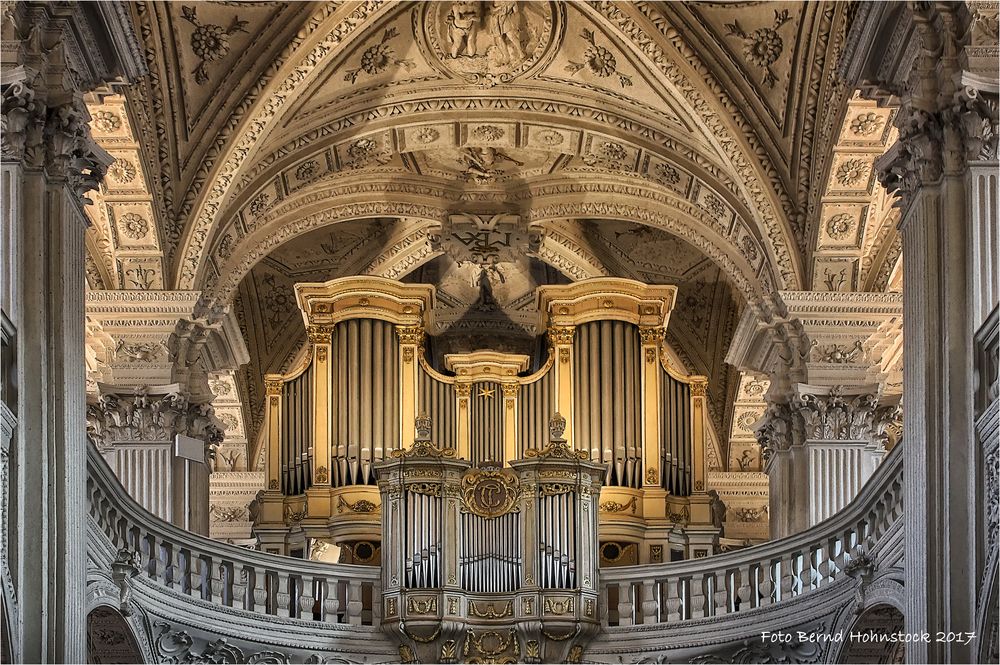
693, 143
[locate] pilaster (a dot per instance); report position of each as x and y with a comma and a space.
947, 89
49, 163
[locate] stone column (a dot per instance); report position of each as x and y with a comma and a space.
833, 362
157, 352
946, 87
768, 341
49, 161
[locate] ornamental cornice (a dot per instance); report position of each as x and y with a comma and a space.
837, 301
104, 304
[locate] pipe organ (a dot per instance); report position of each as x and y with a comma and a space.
517, 479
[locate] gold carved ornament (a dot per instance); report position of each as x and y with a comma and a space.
418, 606
319, 334
491, 612
560, 335
651, 336
410, 334
490, 493
616, 507
359, 506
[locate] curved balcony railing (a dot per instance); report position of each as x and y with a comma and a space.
762, 575
274, 585
224, 574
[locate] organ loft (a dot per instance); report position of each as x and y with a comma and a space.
487, 484
499, 331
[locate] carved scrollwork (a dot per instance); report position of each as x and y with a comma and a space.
423, 449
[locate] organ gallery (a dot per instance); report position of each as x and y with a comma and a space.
498, 331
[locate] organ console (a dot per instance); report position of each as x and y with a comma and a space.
478, 478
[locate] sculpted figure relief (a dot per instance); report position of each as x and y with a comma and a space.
488, 42
506, 31
463, 27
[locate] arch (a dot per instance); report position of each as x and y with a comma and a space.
103, 595
880, 618
738, 175
110, 638
886, 591
551, 200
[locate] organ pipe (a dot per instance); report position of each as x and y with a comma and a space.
607, 366
327, 429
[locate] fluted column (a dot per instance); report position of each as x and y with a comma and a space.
947, 139
49, 162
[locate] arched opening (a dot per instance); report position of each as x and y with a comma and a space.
870, 639
110, 639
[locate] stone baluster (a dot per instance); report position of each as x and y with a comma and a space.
720, 595
675, 609
354, 604
626, 603
650, 608
219, 577
767, 588
697, 595
307, 596
261, 591
241, 577
746, 588
282, 597
331, 600
376, 603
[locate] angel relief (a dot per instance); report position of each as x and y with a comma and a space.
488, 42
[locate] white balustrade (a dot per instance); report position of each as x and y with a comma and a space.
223, 574
762, 575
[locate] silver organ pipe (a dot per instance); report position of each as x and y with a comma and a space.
296, 433
365, 372
486, 433
675, 435
436, 399
424, 530
535, 407
490, 556
607, 369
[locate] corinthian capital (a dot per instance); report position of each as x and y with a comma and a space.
22, 119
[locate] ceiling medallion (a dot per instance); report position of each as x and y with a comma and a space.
487, 43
